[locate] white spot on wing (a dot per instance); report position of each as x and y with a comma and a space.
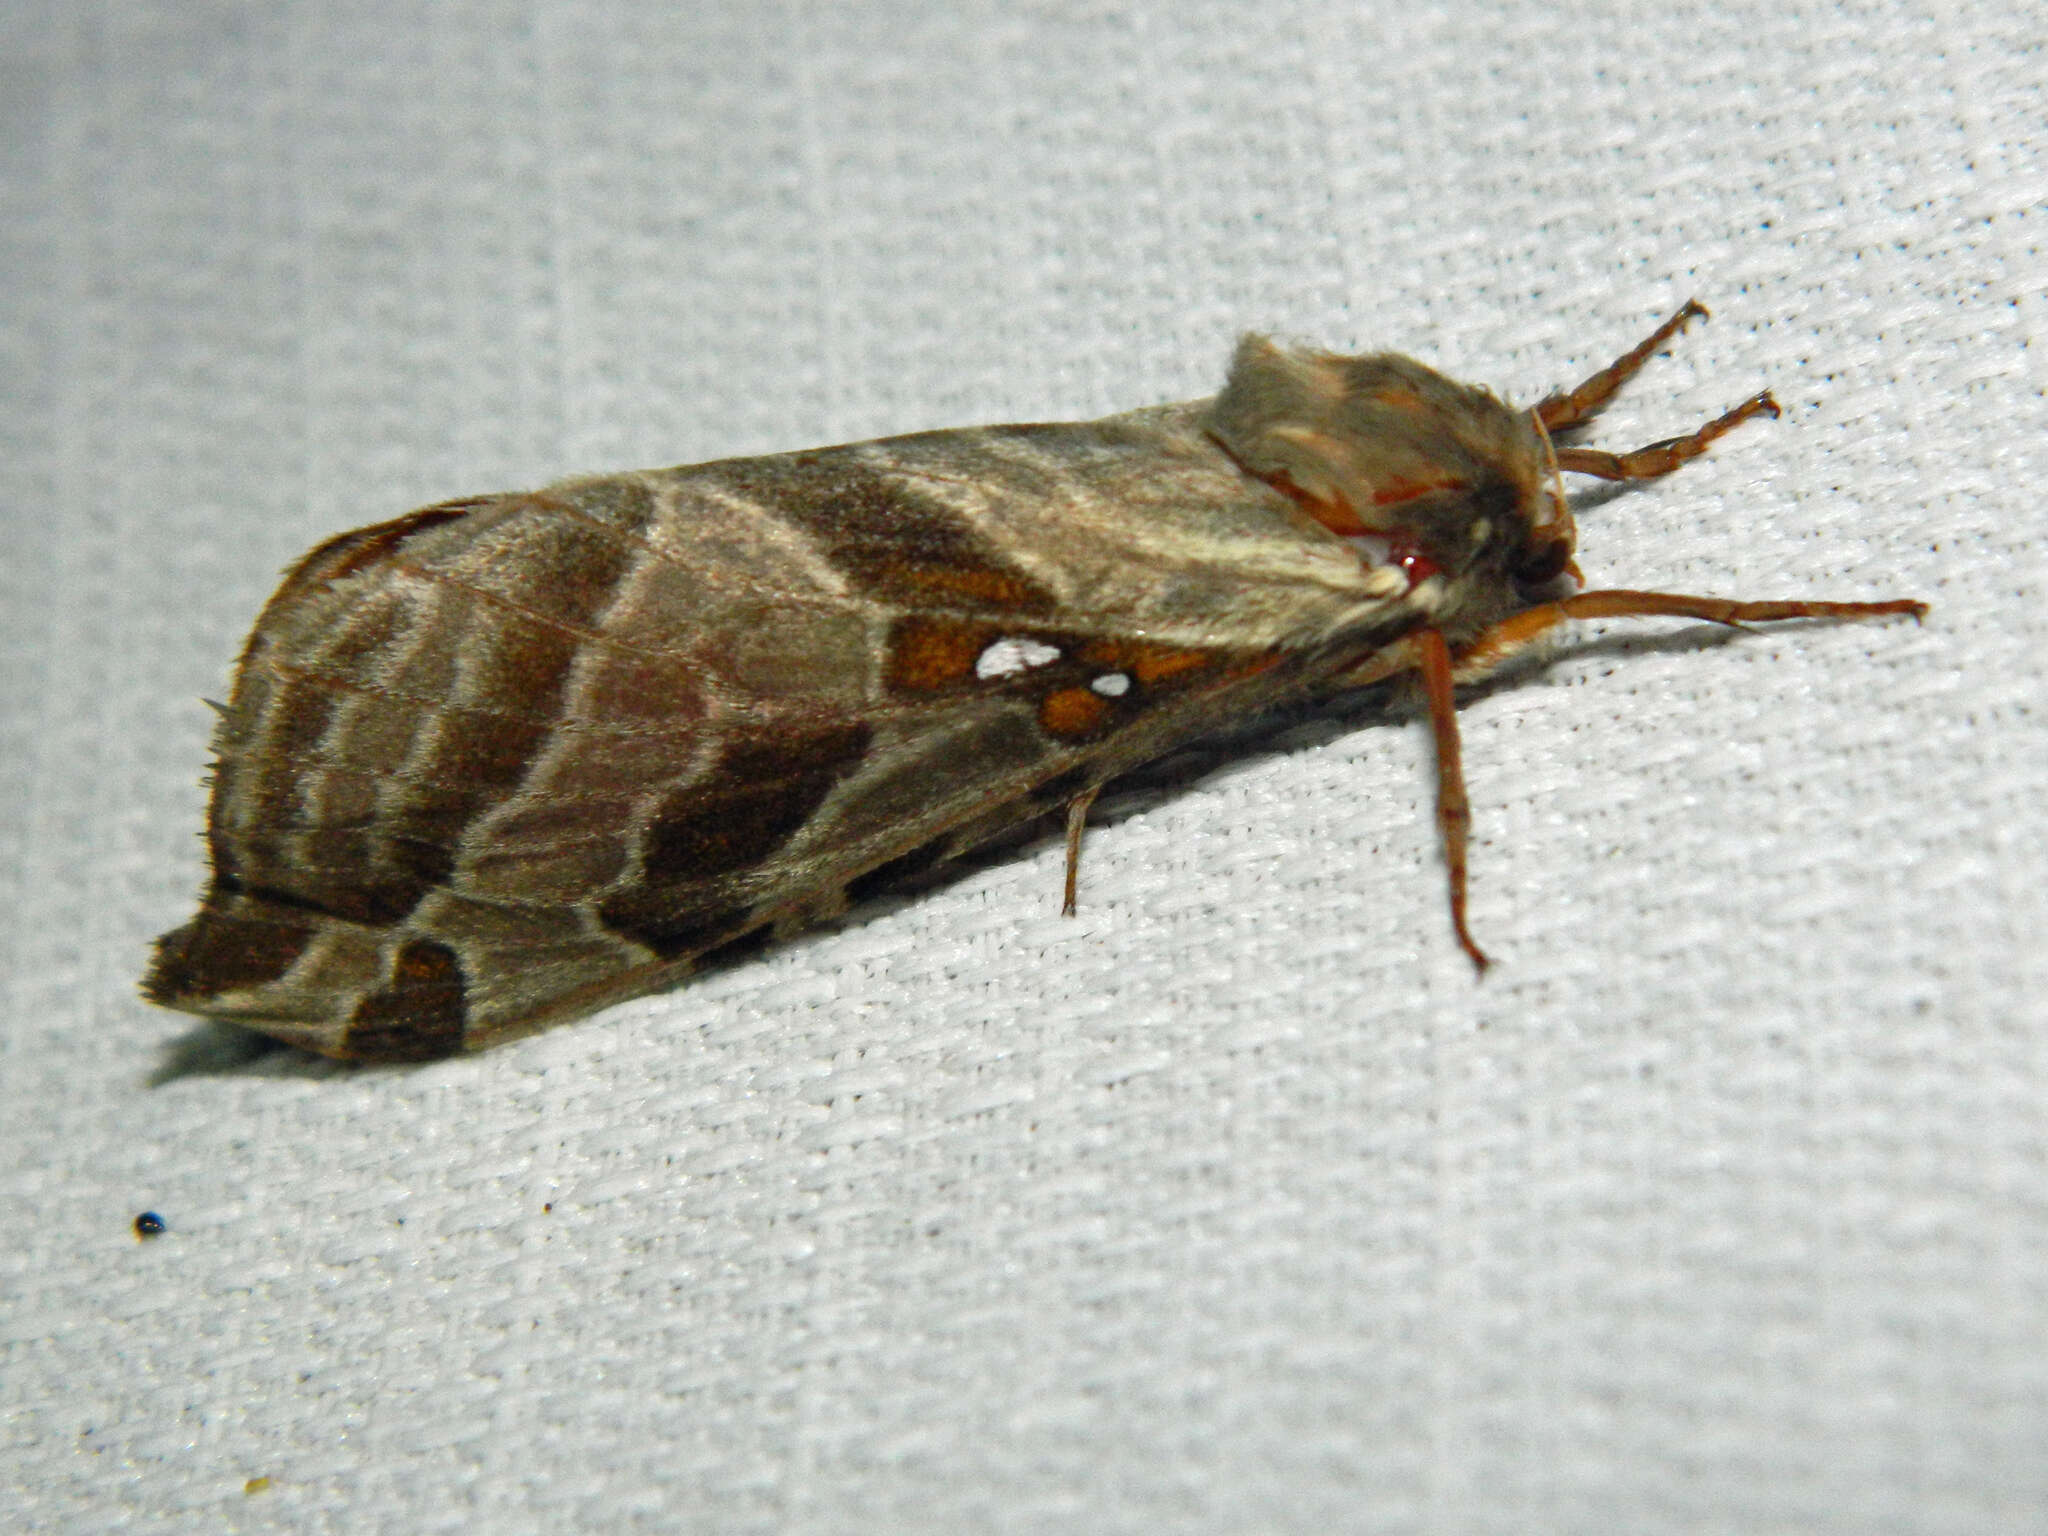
1009, 656
1112, 685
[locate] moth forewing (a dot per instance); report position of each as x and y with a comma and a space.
508, 759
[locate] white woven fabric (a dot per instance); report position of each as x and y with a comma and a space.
1235, 1204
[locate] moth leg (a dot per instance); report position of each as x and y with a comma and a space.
1077, 818
1663, 457
1492, 647
1453, 809
1560, 412
1426, 653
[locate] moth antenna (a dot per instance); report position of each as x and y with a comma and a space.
1562, 410
1661, 458
1487, 652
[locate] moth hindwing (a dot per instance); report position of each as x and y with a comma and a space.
508, 759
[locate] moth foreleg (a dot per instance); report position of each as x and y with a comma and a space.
1426, 653
1077, 818
1562, 412
1663, 457
1491, 648
1453, 809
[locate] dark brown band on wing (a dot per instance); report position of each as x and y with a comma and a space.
664, 922
756, 795
224, 950
420, 1016
891, 541
754, 798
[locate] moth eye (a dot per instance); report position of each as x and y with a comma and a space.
1011, 655
1112, 685
1394, 562
1417, 566
1544, 563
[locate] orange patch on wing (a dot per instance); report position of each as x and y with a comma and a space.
1149, 664
999, 589
1073, 712
926, 654
1334, 513
1155, 663
347, 553
1395, 491
1252, 668
1339, 517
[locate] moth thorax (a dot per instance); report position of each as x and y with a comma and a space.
1410, 465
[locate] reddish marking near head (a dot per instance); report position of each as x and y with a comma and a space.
1340, 517
1394, 492
1414, 564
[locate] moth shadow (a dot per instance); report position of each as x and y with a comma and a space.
1689, 641
216, 1048
1593, 498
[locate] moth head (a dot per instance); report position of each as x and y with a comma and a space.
1414, 468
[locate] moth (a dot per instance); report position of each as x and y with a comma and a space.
511, 758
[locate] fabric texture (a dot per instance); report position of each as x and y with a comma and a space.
1235, 1203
